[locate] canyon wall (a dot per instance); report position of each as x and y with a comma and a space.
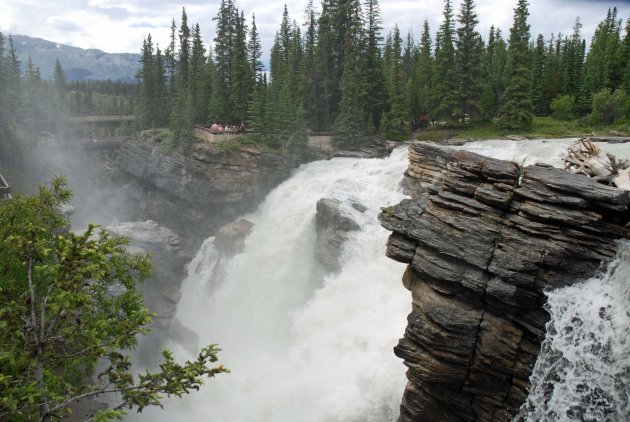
483, 239
196, 193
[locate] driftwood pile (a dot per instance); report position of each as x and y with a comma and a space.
584, 157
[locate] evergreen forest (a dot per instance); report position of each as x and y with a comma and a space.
335, 70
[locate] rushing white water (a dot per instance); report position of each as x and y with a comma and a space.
301, 346
583, 370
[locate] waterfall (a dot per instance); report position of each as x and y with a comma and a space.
583, 370
302, 345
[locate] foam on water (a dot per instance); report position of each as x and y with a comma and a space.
302, 345
583, 370
305, 346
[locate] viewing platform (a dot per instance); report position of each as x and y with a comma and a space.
318, 140
205, 134
5, 189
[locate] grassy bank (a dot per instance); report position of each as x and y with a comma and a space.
542, 127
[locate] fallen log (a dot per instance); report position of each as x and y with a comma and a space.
584, 157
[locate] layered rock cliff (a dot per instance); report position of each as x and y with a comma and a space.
483, 239
196, 193
162, 291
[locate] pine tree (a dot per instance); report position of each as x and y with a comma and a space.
14, 88
181, 117
424, 70
241, 77
59, 87
602, 62
397, 116
351, 122
183, 57
6, 123
539, 100
516, 112
159, 96
254, 49
223, 53
277, 111
469, 52
444, 97
494, 74
375, 94
198, 78
146, 78
311, 95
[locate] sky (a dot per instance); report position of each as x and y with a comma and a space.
119, 26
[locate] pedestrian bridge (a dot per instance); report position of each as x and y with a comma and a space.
102, 118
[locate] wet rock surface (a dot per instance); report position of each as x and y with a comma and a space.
162, 291
230, 238
197, 193
483, 238
333, 223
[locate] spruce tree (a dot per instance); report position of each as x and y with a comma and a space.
311, 95
351, 122
146, 77
397, 116
59, 88
539, 100
444, 92
424, 70
241, 77
375, 95
198, 78
223, 54
159, 95
494, 74
469, 53
254, 49
516, 112
14, 88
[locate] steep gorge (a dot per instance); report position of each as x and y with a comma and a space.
483, 239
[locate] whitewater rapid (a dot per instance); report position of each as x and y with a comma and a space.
304, 345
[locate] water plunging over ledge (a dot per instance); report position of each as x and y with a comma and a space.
303, 346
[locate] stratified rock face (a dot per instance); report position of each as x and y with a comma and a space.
196, 194
332, 225
162, 291
483, 239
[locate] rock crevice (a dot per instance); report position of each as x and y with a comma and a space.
483, 238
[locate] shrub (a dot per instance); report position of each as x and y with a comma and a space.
562, 107
608, 106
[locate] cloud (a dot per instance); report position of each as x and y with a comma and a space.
148, 25
65, 25
120, 25
114, 13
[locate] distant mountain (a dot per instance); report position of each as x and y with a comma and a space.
78, 64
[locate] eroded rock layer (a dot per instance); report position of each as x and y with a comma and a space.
197, 193
483, 239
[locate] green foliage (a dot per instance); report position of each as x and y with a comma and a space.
609, 106
516, 112
562, 107
444, 91
69, 307
469, 55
